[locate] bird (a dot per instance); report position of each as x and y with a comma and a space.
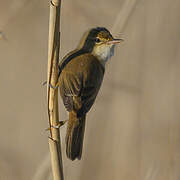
80, 77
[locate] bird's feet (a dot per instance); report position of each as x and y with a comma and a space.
60, 123
50, 85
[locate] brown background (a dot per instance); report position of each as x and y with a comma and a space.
133, 130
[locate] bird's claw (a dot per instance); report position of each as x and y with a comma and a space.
44, 83
60, 123
50, 85
53, 87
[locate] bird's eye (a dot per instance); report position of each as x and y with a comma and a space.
97, 40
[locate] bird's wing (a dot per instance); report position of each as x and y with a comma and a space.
70, 87
80, 82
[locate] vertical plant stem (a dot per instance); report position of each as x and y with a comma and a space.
53, 113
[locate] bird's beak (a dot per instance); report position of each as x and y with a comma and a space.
115, 41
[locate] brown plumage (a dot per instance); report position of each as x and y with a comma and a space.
80, 76
80, 81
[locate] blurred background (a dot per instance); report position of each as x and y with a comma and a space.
133, 130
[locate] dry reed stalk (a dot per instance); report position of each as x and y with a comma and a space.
123, 15
53, 113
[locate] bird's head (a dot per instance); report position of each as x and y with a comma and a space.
100, 43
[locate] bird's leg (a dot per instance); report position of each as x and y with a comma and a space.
60, 124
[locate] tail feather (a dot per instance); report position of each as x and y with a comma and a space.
75, 136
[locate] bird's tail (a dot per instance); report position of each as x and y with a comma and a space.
75, 136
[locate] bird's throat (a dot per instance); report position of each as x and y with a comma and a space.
103, 53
